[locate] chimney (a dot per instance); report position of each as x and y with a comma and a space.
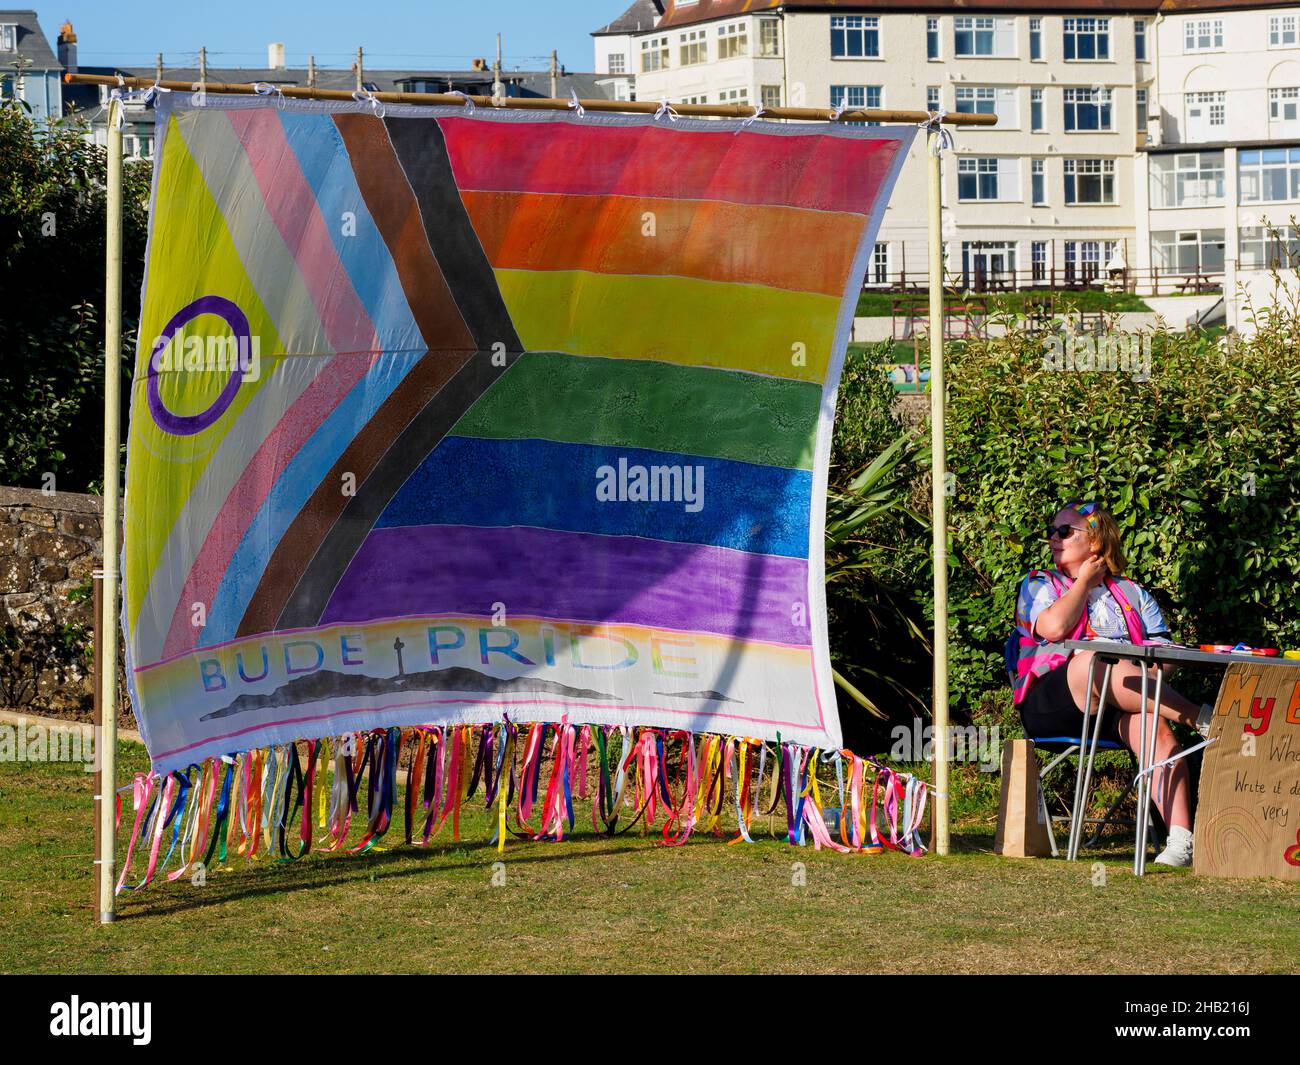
275, 56
68, 48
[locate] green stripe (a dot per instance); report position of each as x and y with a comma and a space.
577, 399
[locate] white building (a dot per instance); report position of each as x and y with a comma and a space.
1058, 192
1219, 180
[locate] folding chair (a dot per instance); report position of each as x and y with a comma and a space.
1063, 747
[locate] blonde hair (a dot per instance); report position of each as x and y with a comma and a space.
1103, 534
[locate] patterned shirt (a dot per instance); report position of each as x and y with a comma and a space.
1105, 616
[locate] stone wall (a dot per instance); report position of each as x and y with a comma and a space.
49, 547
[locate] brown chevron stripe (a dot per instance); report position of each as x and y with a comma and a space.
392, 204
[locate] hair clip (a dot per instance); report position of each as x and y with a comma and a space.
1085, 510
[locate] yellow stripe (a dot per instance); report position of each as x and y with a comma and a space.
191, 254
683, 321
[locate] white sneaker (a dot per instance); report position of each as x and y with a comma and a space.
1178, 850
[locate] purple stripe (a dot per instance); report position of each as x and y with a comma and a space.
564, 576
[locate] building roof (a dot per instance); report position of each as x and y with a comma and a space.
31, 42
705, 10
676, 14
639, 18
1173, 7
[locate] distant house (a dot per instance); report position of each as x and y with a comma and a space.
615, 58
29, 69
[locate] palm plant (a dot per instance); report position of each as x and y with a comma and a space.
869, 527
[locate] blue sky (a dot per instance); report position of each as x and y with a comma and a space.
396, 33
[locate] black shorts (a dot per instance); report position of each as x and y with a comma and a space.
1050, 710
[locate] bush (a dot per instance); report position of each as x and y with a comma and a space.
1196, 464
52, 229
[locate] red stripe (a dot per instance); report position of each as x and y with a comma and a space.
813, 170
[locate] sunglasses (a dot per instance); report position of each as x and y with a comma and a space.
1063, 531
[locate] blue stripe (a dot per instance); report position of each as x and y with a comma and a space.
548, 485
327, 167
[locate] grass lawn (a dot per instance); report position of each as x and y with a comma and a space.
880, 304
614, 905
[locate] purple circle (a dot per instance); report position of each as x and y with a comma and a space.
189, 424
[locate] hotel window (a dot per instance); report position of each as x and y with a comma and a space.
984, 37
1089, 181
1083, 259
1036, 38
769, 96
1187, 179
1036, 110
733, 40
1269, 175
1087, 38
769, 37
1282, 31
701, 99
694, 48
988, 179
617, 63
987, 100
1203, 35
1140, 40
856, 96
733, 96
1269, 248
1140, 98
1207, 114
880, 263
1038, 181
1088, 110
1188, 251
855, 37
932, 98
1038, 260
654, 55
932, 38
1283, 104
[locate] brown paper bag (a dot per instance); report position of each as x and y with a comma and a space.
1022, 829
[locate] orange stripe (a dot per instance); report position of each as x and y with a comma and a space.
781, 247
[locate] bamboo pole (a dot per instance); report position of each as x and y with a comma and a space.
640, 107
939, 488
108, 618
97, 673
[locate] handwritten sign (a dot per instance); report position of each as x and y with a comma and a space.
1248, 818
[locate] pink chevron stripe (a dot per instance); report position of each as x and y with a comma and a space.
337, 377
292, 205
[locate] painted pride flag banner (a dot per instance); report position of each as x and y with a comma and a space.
442, 416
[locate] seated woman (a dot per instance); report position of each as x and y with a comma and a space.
1081, 597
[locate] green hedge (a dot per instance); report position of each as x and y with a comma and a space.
1198, 464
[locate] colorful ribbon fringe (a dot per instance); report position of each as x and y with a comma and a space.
280, 801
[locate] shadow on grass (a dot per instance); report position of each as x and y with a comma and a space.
315, 872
